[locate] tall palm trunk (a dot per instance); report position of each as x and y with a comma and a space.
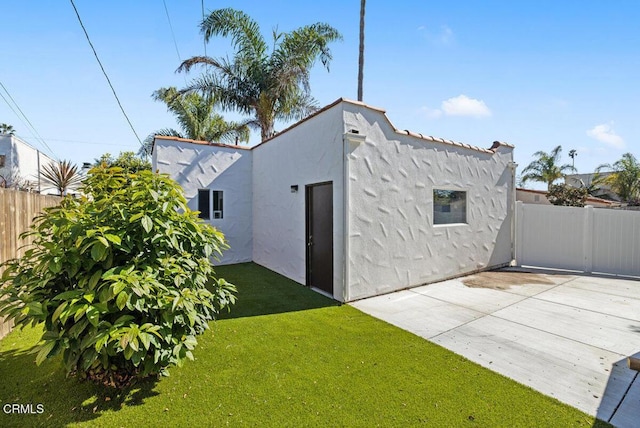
361, 56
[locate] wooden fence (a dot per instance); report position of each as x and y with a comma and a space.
17, 211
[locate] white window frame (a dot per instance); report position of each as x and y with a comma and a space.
466, 206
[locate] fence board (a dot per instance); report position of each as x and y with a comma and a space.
17, 211
583, 239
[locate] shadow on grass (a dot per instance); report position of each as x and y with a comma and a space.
264, 292
65, 400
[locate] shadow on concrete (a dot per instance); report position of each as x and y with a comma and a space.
620, 402
547, 271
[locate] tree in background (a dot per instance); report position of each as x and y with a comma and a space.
262, 82
6, 129
128, 161
62, 176
546, 168
196, 116
565, 195
624, 179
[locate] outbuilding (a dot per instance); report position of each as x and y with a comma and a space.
344, 202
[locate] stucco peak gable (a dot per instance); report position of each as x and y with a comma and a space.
492, 149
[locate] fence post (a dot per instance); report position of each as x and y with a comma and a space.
588, 239
519, 231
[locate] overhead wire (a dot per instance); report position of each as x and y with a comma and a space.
105, 73
166, 10
175, 43
26, 120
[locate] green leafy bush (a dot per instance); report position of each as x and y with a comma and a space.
121, 278
565, 195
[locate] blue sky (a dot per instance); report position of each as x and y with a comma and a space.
533, 74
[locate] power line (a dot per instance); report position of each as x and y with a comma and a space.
35, 133
105, 73
171, 28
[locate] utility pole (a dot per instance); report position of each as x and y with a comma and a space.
572, 154
361, 55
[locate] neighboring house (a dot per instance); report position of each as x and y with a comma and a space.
344, 202
602, 191
20, 165
529, 196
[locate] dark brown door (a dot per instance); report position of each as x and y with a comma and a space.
319, 209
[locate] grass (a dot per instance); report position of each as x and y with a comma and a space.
286, 356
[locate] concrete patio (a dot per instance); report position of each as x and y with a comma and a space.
565, 335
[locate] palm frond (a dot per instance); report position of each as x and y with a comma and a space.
61, 175
243, 31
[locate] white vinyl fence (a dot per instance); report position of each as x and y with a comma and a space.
592, 240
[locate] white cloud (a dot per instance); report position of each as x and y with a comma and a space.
462, 105
605, 134
442, 37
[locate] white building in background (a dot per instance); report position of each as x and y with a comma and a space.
601, 190
344, 202
20, 164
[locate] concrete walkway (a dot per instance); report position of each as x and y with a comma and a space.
567, 336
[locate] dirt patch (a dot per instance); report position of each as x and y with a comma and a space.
503, 280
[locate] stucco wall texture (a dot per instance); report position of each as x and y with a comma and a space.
198, 166
383, 180
306, 154
393, 243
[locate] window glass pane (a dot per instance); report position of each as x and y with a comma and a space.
217, 204
449, 206
203, 204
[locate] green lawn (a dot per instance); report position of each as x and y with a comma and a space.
286, 356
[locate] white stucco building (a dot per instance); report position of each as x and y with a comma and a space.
20, 162
344, 202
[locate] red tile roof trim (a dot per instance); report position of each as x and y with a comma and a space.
203, 143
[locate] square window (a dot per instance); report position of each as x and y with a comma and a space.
449, 206
204, 204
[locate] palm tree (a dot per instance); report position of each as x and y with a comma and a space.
624, 179
62, 175
196, 116
266, 84
7, 129
361, 50
545, 168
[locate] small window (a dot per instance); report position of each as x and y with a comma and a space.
2, 160
203, 204
449, 206
217, 204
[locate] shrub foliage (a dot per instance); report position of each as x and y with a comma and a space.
562, 194
121, 278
